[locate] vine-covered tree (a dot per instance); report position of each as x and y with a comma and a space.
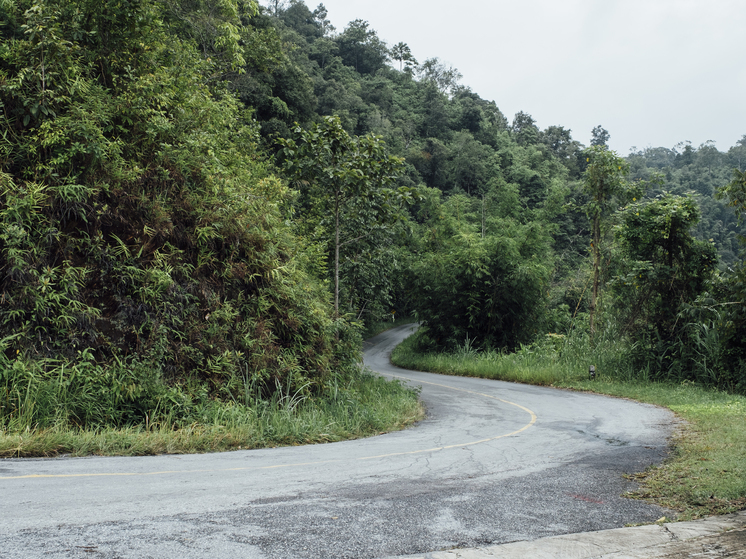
666, 269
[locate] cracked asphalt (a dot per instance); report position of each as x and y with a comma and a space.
493, 463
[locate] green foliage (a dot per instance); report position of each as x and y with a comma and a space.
490, 291
604, 180
666, 269
720, 326
551, 360
144, 231
735, 191
403, 55
360, 47
487, 171
491, 287
605, 184
143, 247
702, 171
39, 394
365, 404
214, 27
710, 345
731, 320
524, 129
600, 136
435, 72
346, 189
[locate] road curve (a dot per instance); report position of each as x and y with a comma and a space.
493, 462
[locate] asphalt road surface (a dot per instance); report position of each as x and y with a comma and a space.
493, 462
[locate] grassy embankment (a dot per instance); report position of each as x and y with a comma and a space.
706, 472
367, 405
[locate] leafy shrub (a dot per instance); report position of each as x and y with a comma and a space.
491, 291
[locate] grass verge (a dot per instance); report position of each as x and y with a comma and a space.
706, 471
367, 405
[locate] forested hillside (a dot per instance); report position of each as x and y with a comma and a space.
201, 194
518, 232
701, 172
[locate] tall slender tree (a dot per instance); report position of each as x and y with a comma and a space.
605, 182
403, 55
346, 178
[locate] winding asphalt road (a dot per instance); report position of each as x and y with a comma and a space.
493, 462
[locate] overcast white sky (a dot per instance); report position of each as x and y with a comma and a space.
652, 72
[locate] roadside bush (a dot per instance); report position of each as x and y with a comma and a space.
491, 290
664, 272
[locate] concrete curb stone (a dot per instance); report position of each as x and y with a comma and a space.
716, 536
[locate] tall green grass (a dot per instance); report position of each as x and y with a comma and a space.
365, 404
553, 359
706, 472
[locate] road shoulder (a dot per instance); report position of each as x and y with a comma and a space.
716, 536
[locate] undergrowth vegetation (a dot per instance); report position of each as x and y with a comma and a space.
364, 404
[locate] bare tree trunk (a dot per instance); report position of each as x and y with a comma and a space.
336, 255
276, 6
483, 216
596, 269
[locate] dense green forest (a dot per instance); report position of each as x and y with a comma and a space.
199, 195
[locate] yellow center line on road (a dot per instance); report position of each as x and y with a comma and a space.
529, 424
299, 464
